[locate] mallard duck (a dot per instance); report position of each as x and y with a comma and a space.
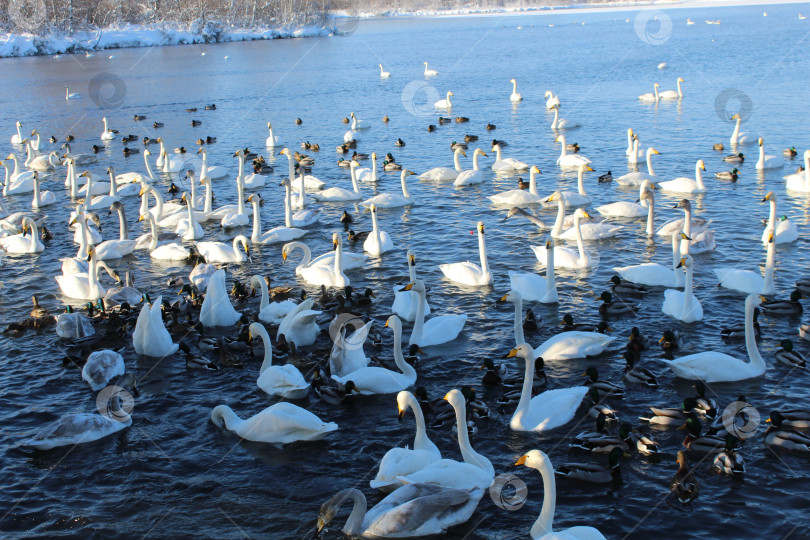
637, 341
298, 121
195, 362
502, 144
330, 391
130, 151
390, 166
778, 434
605, 388
355, 237
673, 415
210, 140
638, 375
530, 321
645, 445
572, 147
718, 147
569, 325
443, 120
594, 473
470, 138
192, 109
399, 142
39, 312
727, 175
195, 123
494, 375
431, 128
461, 119
704, 405
157, 125
734, 158
211, 107
671, 340
606, 177
786, 355
522, 184
303, 160
600, 407
617, 307
598, 430
729, 461
791, 418
694, 441
789, 152
738, 331
490, 127
684, 485
621, 286
345, 163
342, 149
148, 140
129, 138
600, 443
783, 307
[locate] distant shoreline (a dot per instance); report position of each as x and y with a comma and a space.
162, 34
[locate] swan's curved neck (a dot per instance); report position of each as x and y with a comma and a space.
375, 229
525, 393
580, 183
629, 141
209, 196
37, 198
498, 152
270, 129
559, 222
240, 192
482, 252
307, 253
421, 441
302, 198
265, 301
238, 242
419, 320
339, 260
680, 92
650, 216
514, 87
545, 521
268, 347
475, 161
687, 290
456, 161
153, 226
533, 183
751, 339
92, 278
123, 228
204, 168
403, 366
228, 417
470, 456
403, 179
687, 230
353, 175
551, 277
7, 181
148, 167
736, 133
772, 217
113, 186
583, 257
699, 177
373, 170
359, 508
518, 321
290, 167
82, 253
556, 118
676, 251
562, 147
649, 162
257, 222
770, 287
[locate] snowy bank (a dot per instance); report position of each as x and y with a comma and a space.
153, 35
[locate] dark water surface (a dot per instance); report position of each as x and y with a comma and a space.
172, 473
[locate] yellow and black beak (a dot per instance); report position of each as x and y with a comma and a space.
521, 460
408, 287
512, 353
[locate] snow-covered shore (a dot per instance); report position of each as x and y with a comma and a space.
130, 35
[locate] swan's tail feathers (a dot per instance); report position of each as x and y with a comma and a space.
643, 419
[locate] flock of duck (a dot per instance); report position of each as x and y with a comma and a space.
425, 492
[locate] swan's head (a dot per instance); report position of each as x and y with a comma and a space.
548, 94
584, 167
550, 243
479, 152
680, 79
770, 196
255, 329
534, 459
685, 204
19, 124
404, 399
354, 164
524, 350
703, 165
34, 132
418, 286
104, 119
685, 262
534, 170
656, 85
449, 93
373, 208
512, 81
411, 258
480, 227
455, 398
394, 323
285, 152
374, 156
512, 296
753, 301
336, 240
760, 141
218, 415
582, 214
560, 138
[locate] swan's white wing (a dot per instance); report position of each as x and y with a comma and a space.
101, 367
652, 274
710, 366
744, 281
76, 429
416, 512
530, 286
575, 344
466, 273
285, 422
399, 462
551, 409
441, 329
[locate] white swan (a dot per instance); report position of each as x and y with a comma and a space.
384, 74
17, 182
85, 286
107, 134
130, 189
170, 251
552, 101
634, 157
543, 527
549, 410
747, 281
440, 329
216, 308
188, 228
579, 197
275, 235
411, 511
216, 172
654, 274
741, 138
475, 471
430, 72
714, 366
270, 312
799, 181
587, 231
272, 140
515, 96
115, 249
98, 202
377, 242
79, 428
686, 185
393, 200
445, 174
520, 197
301, 218
220, 252
339, 194
534, 288
507, 165
405, 302
102, 367
403, 461
784, 230
284, 381
21, 243
299, 325
628, 209
567, 257
282, 423
240, 217
701, 240
17, 138
683, 305
133, 177
151, 337
567, 160
673, 94
573, 344
445, 103
41, 198
467, 273
321, 270
347, 354
562, 123
358, 124
310, 182
474, 176
378, 380
651, 96
364, 174
767, 162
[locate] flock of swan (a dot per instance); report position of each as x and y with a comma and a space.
425, 492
